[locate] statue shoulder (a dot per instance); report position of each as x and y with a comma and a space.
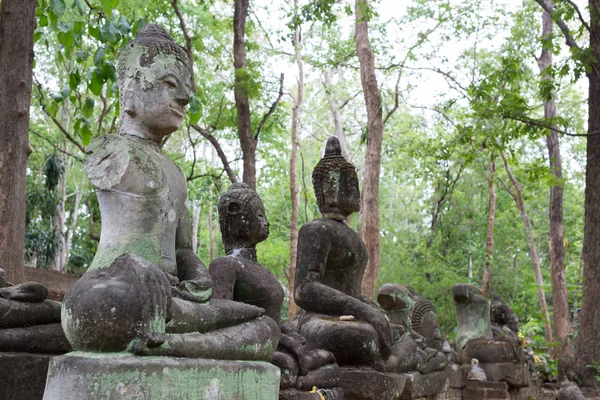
319, 227
106, 160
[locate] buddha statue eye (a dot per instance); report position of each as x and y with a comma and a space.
170, 83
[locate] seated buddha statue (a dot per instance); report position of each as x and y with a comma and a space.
330, 266
239, 276
146, 291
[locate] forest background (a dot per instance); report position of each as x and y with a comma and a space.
464, 102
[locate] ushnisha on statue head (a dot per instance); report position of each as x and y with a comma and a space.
336, 183
242, 218
154, 84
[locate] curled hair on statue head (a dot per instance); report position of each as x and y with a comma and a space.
233, 205
327, 172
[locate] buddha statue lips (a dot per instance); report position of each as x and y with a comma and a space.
146, 291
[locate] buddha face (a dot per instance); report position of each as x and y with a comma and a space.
348, 197
243, 222
155, 97
257, 222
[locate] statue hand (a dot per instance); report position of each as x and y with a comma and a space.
198, 290
384, 332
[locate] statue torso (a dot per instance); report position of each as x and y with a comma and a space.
142, 194
254, 284
347, 257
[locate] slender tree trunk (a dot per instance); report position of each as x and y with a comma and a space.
17, 23
242, 104
370, 191
336, 115
71, 231
489, 238
517, 195
470, 267
211, 233
59, 262
560, 295
293, 175
588, 339
195, 224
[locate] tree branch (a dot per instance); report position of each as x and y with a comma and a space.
561, 24
207, 135
396, 99
188, 44
271, 110
542, 124
583, 21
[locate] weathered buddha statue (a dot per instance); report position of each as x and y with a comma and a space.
146, 291
400, 304
239, 276
331, 262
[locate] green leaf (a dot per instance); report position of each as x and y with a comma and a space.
110, 33
138, 25
109, 6
43, 21
36, 36
74, 79
65, 91
123, 25
99, 55
79, 5
88, 107
94, 32
81, 56
52, 108
95, 84
67, 39
57, 7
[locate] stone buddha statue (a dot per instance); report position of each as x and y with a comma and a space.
240, 277
146, 291
331, 262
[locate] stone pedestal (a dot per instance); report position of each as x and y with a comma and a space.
475, 390
366, 384
23, 375
514, 374
293, 394
112, 376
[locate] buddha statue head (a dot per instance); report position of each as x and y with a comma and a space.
336, 183
242, 218
154, 84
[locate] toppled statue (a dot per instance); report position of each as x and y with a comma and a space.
146, 292
331, 262
239, 276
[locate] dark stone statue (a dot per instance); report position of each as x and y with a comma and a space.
240, 277
331, 262
29, 322
146, 291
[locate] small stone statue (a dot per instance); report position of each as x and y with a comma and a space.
476, 373
331, 262
240, 277
29, 322
146, 291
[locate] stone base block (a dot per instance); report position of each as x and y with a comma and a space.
474, 390
366, 384
293, 394
516, 375
94, 376
23, 375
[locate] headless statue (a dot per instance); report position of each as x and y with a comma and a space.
240, 277
330, 265
146, 291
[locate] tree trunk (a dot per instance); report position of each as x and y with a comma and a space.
560, 296
336, 115
17, 24
588, 339
195, 224
242, 104
370, 191
59, 262
211, 233
71, 231
293, 175
539, 280
489, 238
